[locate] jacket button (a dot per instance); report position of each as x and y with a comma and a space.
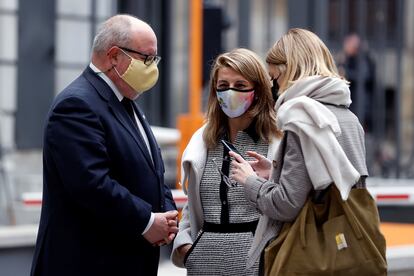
274, 164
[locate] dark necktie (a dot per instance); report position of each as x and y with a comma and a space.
127, 103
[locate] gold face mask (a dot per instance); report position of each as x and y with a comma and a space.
139, 76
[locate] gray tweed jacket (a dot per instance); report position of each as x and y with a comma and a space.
281, 198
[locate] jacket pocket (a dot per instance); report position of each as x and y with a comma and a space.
192, 247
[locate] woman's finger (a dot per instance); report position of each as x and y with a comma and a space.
254, 155
236, 156
234, 164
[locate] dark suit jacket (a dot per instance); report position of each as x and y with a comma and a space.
100, 186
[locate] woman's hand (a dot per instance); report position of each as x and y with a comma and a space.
241, 169
261, 165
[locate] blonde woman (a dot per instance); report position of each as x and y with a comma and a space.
218, 223
323, 141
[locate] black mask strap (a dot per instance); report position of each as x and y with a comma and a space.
275, 89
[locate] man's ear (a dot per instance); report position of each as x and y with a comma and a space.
113, 54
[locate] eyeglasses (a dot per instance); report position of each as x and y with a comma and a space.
149, 59
224, 177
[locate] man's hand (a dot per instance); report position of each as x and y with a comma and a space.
163, 229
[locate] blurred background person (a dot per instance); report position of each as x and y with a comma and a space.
358, 67
218, 222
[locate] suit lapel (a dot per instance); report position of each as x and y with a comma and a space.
118, 110
122, 116
154, 148
151, 139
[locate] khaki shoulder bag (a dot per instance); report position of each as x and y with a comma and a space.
334, 237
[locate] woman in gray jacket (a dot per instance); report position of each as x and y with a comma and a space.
323, 141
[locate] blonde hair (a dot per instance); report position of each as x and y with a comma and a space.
249, 65
299, 54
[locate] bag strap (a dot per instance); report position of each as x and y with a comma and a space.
302, 224
352, 220
348, 212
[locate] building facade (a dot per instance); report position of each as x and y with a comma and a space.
45, 44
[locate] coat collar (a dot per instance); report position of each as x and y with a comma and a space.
105, 91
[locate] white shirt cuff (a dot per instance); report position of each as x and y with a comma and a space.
150, 222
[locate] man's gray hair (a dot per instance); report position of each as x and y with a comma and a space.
114, 31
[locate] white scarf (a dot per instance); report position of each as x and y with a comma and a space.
299, 109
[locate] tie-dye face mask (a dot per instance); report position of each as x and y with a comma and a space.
235, 102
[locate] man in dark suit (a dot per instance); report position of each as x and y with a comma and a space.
105, 208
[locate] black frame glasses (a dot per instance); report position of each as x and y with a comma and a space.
149, 59
225, 178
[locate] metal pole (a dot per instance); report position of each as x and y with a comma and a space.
379, 95
397, 95
189, 123
93, 20
362, 71
244, 23
10, 213
320, 19
269, 15
382, 35
344, 15
196, 54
